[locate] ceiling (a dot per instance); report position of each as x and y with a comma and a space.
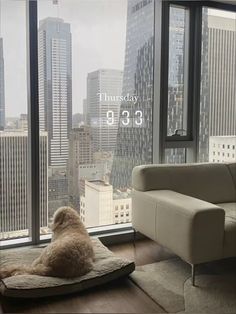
226, 1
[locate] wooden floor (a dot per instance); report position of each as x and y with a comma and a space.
121, 296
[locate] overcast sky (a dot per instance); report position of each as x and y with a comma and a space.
98, 30
98, 41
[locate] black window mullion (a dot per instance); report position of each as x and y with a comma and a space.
164, 77
196, 79
33, 120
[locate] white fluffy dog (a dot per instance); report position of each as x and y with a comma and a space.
70, 253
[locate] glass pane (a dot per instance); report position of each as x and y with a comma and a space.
175, 155
178, 72
14, 205
217, 137
95, 87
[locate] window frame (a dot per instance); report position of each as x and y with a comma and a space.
190, 140
160, 106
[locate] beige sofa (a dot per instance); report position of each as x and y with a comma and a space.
190, 209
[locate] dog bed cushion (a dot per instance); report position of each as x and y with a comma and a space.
107, 267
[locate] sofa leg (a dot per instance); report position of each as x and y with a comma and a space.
193, 266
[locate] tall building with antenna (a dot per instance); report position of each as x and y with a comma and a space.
55, 86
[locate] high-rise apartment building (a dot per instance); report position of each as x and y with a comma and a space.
14, 211
134, 139
2, 89
55, 87
104, 88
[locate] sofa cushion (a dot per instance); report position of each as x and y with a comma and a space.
230, 210
229, 247
232, 169
209, 182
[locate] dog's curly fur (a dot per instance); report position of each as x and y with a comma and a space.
70, 253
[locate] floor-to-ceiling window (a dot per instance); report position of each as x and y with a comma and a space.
97, 82
95, 103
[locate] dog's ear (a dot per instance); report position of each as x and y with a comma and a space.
58, 220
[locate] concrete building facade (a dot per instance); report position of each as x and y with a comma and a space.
14, 206
2, 88
97, 204
80, 154
104, 86
100, 207
218, 93
222, 149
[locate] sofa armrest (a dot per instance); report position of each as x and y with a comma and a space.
193, 229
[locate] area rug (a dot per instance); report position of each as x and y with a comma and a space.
168, 283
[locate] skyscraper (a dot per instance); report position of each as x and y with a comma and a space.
204, 95
222, 75
103, 89
218, 94
80, 153
55, 86
14, 211
2, 89
134, 141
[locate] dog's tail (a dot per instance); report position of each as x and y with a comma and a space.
39, 269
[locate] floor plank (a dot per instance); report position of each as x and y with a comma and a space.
121, 296
145, 252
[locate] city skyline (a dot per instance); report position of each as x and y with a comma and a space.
89, 26
85, 161
75, 14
